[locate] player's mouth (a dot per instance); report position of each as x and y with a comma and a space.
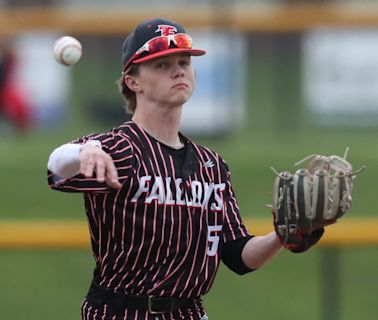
180, 85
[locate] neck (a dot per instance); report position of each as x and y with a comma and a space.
161, 123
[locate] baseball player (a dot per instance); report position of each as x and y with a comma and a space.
161, 209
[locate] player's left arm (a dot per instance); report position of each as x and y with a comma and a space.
242, 252
260, 249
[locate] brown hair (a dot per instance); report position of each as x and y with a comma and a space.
128, 95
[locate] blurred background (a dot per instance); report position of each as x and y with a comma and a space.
281, 80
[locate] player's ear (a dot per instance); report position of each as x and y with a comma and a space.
132, 83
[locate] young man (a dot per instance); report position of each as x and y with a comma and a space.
161, 209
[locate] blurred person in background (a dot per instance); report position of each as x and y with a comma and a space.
13, 104
161, 209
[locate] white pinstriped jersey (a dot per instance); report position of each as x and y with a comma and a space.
161, 233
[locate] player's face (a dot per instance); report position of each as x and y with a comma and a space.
167, 80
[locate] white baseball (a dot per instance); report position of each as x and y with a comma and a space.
67, 50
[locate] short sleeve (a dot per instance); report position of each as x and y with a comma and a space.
117, 146
233, 226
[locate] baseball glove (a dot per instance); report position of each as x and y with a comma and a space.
310, 199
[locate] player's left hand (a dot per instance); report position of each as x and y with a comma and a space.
311, 199
95, 160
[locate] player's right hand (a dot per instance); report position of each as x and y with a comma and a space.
95, 160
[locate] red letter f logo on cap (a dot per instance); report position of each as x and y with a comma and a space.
166, 30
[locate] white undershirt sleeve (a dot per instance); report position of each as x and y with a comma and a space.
64, 161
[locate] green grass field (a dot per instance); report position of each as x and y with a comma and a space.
41, 285
51, 285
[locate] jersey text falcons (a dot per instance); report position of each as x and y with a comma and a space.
161, 192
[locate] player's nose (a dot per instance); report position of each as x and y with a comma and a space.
178, 73
178, 70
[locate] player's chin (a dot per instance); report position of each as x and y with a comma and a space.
179, 98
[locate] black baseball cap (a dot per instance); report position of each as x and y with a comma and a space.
150, 29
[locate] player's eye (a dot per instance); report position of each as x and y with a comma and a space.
161, 65
185, 62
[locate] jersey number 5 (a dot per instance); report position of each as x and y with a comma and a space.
213, 239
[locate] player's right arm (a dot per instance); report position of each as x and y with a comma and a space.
87, 159
94, 160
95, 163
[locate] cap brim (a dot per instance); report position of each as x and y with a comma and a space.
192, 52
